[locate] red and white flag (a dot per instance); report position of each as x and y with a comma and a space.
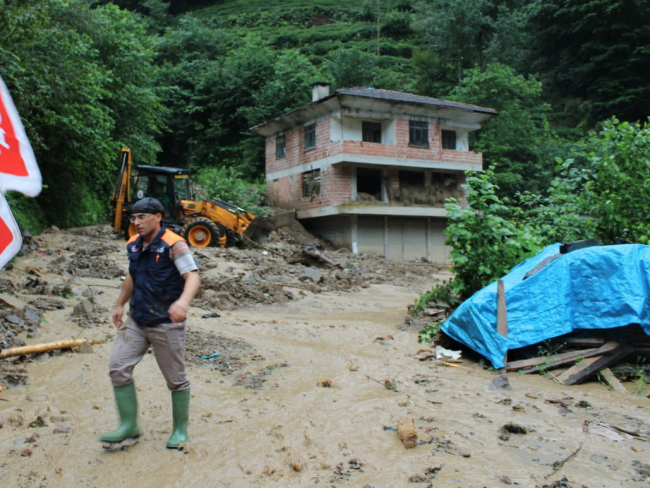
18, 172
10, 238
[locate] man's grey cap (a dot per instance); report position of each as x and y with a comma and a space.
148, 205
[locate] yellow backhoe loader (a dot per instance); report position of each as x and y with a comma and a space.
211, 222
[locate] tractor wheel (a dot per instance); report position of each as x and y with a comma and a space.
201, 232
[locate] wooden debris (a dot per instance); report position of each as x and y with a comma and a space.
587, 368
452, 365
39, 348
558, 464
502, 313
406, 432
612, 381
583, 342
549, 362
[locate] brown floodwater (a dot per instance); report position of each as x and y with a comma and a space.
288, 429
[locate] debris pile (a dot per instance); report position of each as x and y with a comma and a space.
577, 357
302, 269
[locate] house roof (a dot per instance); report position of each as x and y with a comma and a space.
379, 100
403, 97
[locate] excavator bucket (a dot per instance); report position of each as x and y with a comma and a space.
260, 228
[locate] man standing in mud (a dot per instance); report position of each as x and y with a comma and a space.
163, 279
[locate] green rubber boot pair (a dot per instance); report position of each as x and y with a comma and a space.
180, 414
127, 407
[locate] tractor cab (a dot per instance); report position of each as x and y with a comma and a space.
168, 185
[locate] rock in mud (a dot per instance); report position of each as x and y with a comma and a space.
501, 383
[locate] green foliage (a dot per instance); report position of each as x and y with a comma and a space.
641, 374
485, 241
82, 80
442, 293
515, 141
227, 184
438, 294
396, 25
429, 333
433, 74
545, 350
593, 56
617, 177
27, 213
350, 67
473, 33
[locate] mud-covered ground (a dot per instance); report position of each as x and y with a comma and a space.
301, 370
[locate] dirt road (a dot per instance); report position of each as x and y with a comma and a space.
311, 380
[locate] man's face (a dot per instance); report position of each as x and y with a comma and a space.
146, 224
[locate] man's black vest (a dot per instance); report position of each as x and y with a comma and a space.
156, 281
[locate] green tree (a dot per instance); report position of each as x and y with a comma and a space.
211, 78
593, 57
474, 33
518, 141
433, 75
486, 242
615, 196
59, 60
351, 67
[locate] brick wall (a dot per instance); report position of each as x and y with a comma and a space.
336, 180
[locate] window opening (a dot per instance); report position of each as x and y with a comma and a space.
412, 190
311, 183
280, 147
371, 131
310, 136
448, 139
368, 184
418, 133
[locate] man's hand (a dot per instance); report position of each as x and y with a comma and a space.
117, 316
178, 310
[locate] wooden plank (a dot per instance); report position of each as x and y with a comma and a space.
576, 368
594, 367
502, 313
612, 381
548, 362
582, 341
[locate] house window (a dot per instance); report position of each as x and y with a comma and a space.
311, 183
310, 136
280, 146
418, 133
371, 131
449, 139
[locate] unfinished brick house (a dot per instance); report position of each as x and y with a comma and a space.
370, 169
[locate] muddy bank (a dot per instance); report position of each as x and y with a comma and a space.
306, 390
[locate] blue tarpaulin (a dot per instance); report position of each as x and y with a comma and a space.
598, 287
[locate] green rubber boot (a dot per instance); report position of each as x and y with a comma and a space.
127, 407
180, 413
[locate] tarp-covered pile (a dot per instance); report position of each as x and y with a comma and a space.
598, 287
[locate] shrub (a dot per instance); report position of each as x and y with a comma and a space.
486, 242
227, 184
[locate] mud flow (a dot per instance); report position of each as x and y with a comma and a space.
304, 372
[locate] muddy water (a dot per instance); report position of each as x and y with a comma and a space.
289, 431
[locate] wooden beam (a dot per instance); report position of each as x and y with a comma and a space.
582, 341
589, 368
612, 381
549, 362
502, 313
39, 348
